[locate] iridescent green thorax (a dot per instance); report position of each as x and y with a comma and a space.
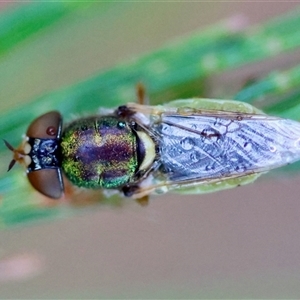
99, 152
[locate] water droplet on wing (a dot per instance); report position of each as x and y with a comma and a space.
187, 143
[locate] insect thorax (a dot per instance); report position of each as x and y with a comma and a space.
102, 152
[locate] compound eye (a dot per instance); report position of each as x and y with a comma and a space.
48, 182
47, 126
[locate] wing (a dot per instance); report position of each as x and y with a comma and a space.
200, 147
206, 147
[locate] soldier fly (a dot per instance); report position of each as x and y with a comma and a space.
186, 146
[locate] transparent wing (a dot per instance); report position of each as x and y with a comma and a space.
208, 147
200, 146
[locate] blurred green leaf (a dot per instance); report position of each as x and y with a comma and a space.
178, 70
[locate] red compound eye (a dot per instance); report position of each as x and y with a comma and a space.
51, 130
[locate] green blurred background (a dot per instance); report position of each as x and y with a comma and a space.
236, 244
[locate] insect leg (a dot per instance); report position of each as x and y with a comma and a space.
141, 94
143, 201
129, 110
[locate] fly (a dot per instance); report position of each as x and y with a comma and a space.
186, 146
